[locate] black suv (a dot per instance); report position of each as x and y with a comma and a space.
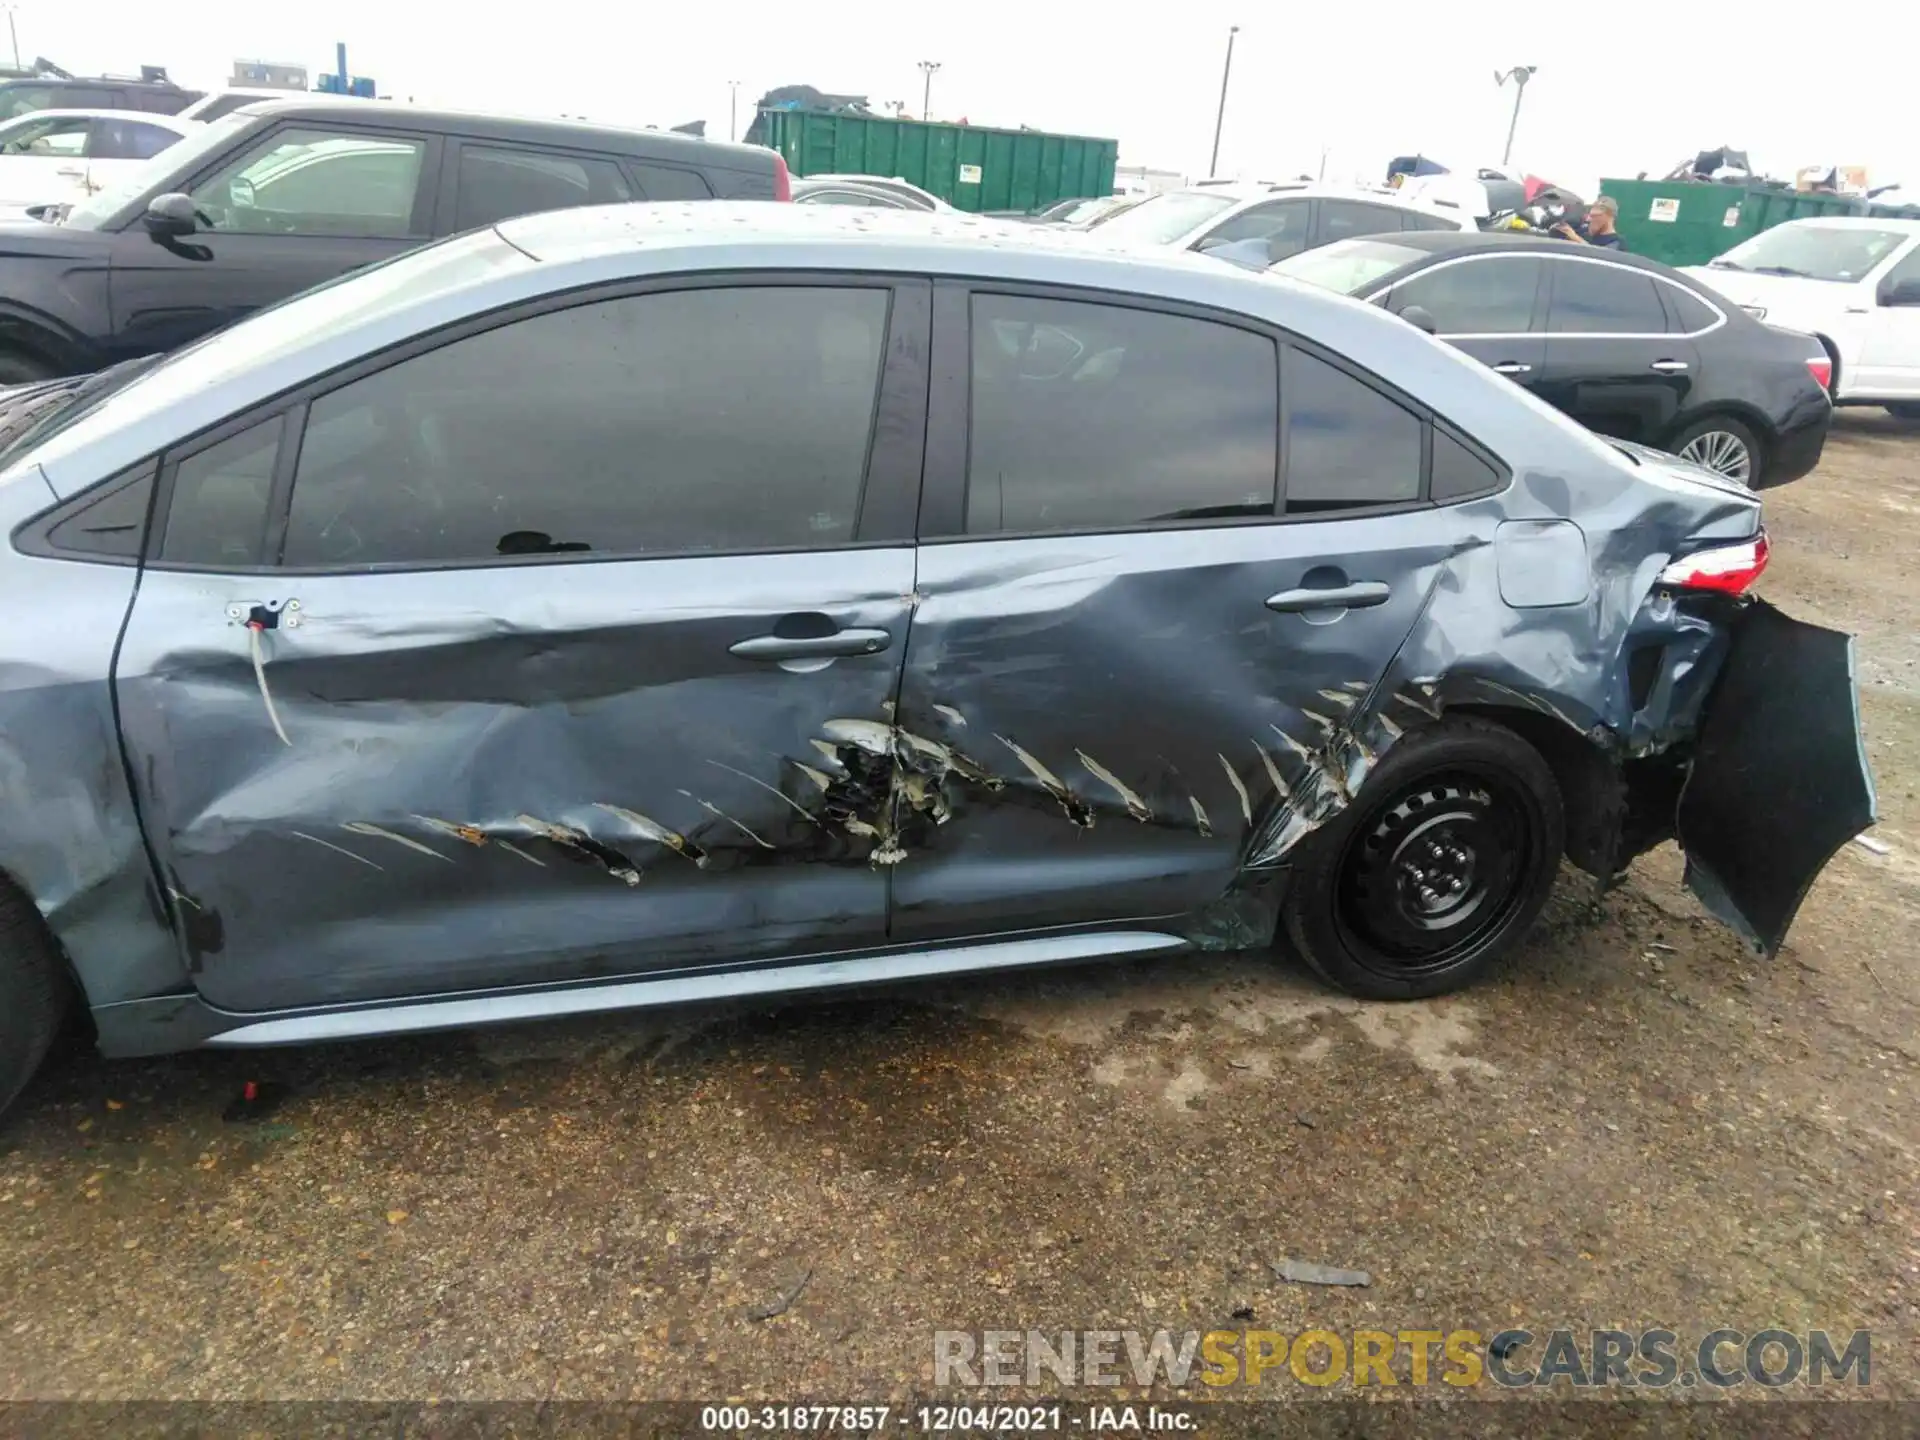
285, 194
23, 95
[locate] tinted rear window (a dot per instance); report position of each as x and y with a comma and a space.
1594, 298
1093, 416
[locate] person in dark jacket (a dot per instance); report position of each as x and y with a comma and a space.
1599, 229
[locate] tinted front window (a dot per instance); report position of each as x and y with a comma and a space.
130, 140
1094, 416
1493, 296
25, 99
1163, 219
670, 182
499, 184
1346, 219
1418, 220
1348, 444
696, 420
56, 138
1283, 225
1907, 270
1350, 267
218, 511
316, 182
1591, 298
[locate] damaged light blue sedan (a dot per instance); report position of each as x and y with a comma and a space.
651, 604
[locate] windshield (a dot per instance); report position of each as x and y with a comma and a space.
1348, 266
1163, 219
1814, 252
47, 409
182, 159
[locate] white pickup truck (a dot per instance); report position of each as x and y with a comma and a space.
1853, 281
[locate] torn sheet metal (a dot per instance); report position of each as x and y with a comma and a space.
575, 780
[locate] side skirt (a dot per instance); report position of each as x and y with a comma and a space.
149, 1027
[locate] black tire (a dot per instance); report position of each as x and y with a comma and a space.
33, 992
19, 368
1466, 805
1904, 410
1730, 429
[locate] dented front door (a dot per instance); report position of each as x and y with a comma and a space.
586, 777
411, 708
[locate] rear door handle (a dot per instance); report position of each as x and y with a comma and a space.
812, 647
1360, 595
1669, 367
1511, 367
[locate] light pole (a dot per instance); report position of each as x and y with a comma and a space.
14, 35
1220, 117
733, 110
1519, 75
927, 67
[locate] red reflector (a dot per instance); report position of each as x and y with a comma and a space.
1822, 369
1730, 569
782, 181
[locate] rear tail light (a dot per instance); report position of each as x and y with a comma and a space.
1729, 569
1822, 368
782, 181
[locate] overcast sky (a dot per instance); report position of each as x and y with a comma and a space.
1622, 87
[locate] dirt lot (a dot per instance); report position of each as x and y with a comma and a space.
1633, 1125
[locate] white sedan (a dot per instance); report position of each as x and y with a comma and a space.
1259, 224
62, 156
1853, 281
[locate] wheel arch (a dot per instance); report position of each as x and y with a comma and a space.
25, 330
1833, 355
1593, 792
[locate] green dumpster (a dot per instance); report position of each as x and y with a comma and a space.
1688, 223
972, 167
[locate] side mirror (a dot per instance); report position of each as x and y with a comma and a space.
1418, 317
171, 216
1907, 292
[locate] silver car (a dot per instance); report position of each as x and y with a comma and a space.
636, 605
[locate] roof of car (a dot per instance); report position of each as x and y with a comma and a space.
1849, 222
561, 236
537, 256
1467, 242
145, 117
92, 81
535, 129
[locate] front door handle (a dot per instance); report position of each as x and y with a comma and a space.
1360, 595
812, 647
1511, 367
1669, 367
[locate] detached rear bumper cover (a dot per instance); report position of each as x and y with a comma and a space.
1779, 780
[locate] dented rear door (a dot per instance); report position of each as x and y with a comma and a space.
1124, 662
494, 718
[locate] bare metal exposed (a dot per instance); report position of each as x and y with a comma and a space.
347, 689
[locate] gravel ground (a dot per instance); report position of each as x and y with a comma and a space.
1633, 1124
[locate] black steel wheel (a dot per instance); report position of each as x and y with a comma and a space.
1437, 869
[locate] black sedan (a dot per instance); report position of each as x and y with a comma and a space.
1628, 347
